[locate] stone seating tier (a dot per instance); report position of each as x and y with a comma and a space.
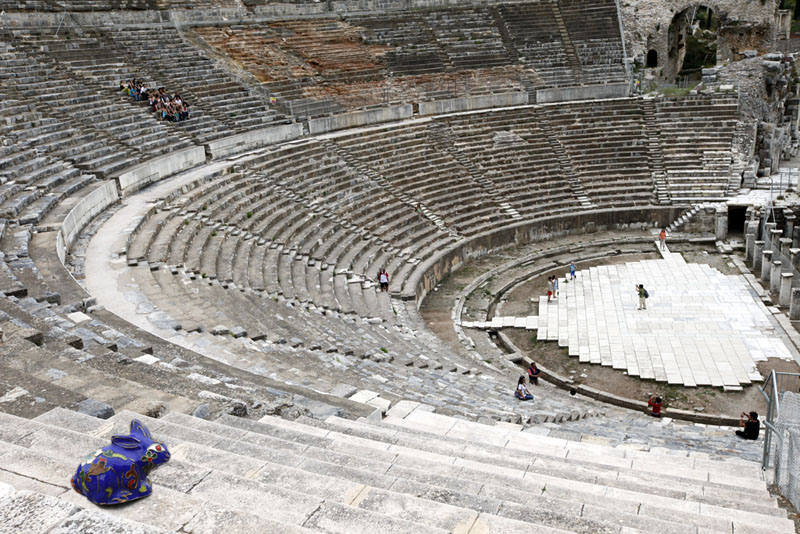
323, 218
363, 208
315, 67
359, 476
696, 153
67, 113
397, 359
113, 5
164, 56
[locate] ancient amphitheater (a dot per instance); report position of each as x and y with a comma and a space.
216, 277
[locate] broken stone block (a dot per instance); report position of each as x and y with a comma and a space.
95, 408
202, 412
78, 317
156, 410
147, 359
220, 330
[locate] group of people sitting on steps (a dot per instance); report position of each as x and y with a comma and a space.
748, 421
169, 107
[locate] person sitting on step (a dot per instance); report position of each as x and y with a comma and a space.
751, 426
533, 374
522, 392
654, 404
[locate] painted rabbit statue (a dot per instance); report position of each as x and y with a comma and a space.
118, 473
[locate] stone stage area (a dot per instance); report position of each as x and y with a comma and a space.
700, 328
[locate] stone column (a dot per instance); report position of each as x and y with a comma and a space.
788, 229
785, 295
775, 277
794, 256
766, 265
768, 227
750, 237
794, 305
786, 246
721, 223
775, 240
758, 253
796, 236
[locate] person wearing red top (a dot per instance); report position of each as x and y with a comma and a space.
655, 406
533, 374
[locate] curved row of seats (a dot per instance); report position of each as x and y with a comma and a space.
315, 220
308, 223
320, 66
296, 234
113, 5
695, 141
76, 74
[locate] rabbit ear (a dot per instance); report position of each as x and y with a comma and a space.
137, 427
126, 442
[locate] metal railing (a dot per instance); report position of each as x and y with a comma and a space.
775, 384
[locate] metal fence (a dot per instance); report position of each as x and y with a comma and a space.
787, 448
782, 432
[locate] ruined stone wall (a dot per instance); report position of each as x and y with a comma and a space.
765, 85
743, 25
745, 29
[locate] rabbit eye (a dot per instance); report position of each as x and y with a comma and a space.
158, 448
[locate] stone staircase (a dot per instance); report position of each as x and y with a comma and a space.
735, 183
573, 62
684, 218
654, 152
581, 195
365, 170
31, 511
444, 139
414, 471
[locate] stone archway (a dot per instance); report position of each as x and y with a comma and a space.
691, 42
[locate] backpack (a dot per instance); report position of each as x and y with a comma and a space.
646, 294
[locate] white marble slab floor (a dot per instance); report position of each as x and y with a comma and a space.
700, 327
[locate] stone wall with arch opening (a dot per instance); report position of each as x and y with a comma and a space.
651, 31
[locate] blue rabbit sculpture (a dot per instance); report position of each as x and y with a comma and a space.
118, 473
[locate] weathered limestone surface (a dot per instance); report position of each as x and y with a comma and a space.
647, 22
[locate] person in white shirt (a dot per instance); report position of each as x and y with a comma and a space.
522, 392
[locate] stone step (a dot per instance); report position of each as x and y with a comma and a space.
560, 500
33, 513
417, 460
169, 508
425, 437
328, 483
366, 428
203, 483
